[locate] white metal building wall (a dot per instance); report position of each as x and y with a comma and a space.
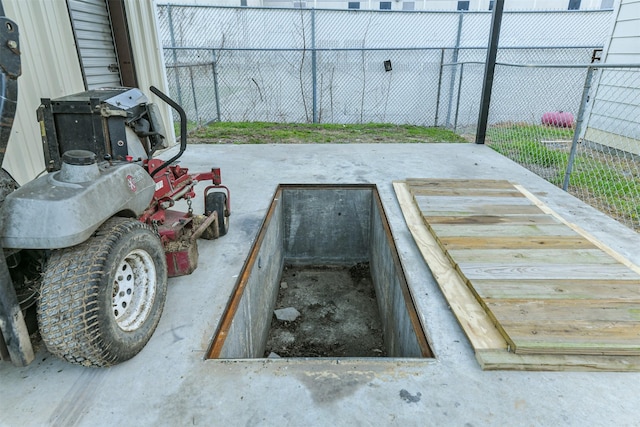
624, 47
474, 5
148, 57
50, 68
613, 120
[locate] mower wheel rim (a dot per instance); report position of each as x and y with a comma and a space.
134, 290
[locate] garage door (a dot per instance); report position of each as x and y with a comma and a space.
94, 38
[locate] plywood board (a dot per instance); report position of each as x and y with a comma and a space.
498, 359
524, 271
480, 330
462, 218
514, 230
569, 289
550, 289
532, 256
515, 243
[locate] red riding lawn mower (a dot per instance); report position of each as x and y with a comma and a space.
88, 246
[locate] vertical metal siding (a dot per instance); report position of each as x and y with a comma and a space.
619, 132
625, 39
50, 68
147, 53
92, 27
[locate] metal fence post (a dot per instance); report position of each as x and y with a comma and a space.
439, 87
489, 70
215, 83
193, 93
455, 121
176, 70
314, 65
454, 59
578, 129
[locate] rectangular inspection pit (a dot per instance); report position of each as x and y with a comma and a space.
322, 232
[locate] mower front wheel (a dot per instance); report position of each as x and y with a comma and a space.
216, 202
101, 300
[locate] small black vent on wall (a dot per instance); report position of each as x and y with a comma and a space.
463, 5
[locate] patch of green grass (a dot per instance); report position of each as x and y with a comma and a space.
528, 132
532, 153
612, 183
533, 146
619, 192
301, 133
545, 151
191, 125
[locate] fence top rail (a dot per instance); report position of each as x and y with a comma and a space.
359, 49
508, 64
449, 12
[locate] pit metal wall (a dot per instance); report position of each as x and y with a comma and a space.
251, 307
319, 225
400, 323
327, 226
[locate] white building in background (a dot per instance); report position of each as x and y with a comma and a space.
472, 5
614, 113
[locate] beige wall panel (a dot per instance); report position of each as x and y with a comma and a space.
50, 69
612, 140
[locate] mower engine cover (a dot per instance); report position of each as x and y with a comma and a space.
64, 208
115, 123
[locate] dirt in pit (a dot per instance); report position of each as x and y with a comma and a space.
339, 314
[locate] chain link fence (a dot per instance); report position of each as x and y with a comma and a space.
587, 143
576, 126
339, 66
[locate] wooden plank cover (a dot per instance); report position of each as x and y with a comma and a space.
549, 287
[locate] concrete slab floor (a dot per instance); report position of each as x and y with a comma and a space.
169, 383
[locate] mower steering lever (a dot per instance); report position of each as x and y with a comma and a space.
183, 127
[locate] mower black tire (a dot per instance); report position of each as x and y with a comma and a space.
216, 202
101, 300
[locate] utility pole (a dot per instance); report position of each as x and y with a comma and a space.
489, 70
